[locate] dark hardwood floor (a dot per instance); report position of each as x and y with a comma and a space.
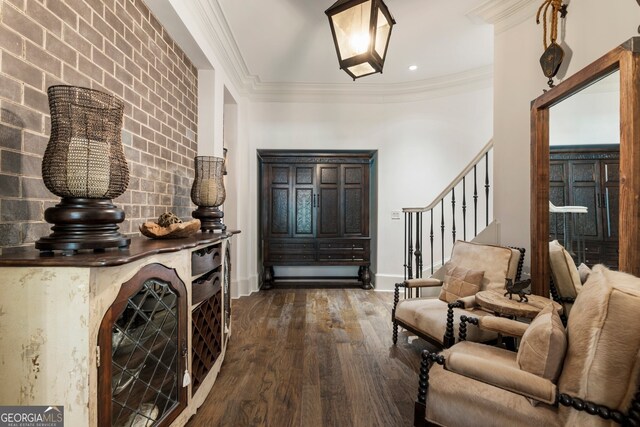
314, 357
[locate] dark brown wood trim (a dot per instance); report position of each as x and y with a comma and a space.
141, 247
629, 234
625, 58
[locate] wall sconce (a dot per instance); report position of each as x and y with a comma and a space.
208, 192
84, 164
361, 30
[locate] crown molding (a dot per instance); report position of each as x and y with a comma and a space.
215, 36
503, 14
479, 78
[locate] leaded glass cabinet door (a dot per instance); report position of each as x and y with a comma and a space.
305, 198
143, 351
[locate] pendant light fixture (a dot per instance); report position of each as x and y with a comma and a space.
361, 30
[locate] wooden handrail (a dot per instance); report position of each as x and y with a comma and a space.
455, 181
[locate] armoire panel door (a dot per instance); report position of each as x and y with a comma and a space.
610, 181
355, 196
279, 201
328, 202
558, 189
584, 179
303, 204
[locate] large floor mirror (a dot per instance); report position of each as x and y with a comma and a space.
585, 166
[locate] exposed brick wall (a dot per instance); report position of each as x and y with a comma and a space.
116, 46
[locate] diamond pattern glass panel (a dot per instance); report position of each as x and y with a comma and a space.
144, 382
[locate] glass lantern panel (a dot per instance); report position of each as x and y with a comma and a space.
361, 69
352, 30
383, 28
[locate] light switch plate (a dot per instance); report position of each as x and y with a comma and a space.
395, 214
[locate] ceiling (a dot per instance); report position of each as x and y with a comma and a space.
289, 41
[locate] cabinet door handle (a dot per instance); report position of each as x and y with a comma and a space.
314, 200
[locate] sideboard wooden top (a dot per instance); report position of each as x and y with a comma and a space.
140, 247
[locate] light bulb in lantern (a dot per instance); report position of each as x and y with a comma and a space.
359, 42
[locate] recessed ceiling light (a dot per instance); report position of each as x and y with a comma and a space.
413, 67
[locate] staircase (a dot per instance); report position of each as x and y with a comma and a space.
460, 212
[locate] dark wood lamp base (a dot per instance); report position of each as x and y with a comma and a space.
80, 223
210, 218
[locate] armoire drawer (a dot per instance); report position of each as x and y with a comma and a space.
292, 247
343, 256
340, 245
283, 257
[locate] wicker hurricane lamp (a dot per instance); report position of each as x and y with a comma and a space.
84, 164
208, 193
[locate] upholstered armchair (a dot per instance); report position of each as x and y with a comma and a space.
472, 267
586, 375
566, 280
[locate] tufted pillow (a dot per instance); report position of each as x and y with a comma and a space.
543, 345
459, 282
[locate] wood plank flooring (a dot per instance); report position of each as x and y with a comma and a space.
314, 357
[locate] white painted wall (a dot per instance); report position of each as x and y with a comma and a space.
421, 147
592, 28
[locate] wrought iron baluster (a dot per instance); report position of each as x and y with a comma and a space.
405, 248
442, 227
410, 257
453, 213
418, 251
431, 238
486, 187
475, 201
464, 208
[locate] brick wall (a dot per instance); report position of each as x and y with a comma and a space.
116, 46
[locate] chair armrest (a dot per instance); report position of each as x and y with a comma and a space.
422, 283
468, 302
503, 326
503, 376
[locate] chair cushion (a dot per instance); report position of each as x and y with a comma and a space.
564, 271
429, 316
459, 282
543, 345
498, 367
602, 364
455, 400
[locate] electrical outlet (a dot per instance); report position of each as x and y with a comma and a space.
395, 214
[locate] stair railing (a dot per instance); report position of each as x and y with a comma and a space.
466, 187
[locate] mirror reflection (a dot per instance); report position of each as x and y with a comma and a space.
584, 143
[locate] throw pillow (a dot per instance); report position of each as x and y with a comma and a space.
543, 345
459, 282
584, 271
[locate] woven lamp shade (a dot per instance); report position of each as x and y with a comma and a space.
84, 157
208, 192
208, 185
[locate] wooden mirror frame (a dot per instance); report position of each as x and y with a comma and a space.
625, 58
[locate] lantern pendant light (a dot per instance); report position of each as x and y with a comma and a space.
361, 30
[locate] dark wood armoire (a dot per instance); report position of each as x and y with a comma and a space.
588, 175
315, 210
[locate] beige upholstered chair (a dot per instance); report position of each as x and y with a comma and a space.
565, 278
436, 319
587, 375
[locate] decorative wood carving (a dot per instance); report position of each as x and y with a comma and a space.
318, 214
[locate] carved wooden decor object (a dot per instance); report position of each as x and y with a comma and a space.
553, 55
